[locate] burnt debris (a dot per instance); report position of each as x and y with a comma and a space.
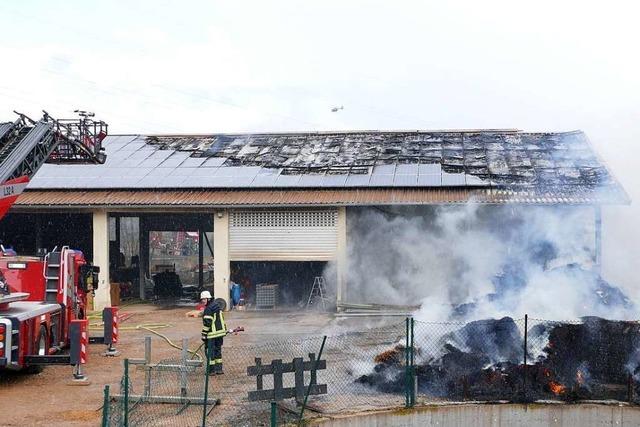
483, 360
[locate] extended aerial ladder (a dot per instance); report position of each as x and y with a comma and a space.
26, 144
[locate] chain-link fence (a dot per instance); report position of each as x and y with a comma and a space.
400, 365
167, 393
527, 360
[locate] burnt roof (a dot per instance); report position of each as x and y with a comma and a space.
561, 162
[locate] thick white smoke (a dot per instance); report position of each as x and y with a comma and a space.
474, 261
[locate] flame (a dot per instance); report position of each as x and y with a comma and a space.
556, 388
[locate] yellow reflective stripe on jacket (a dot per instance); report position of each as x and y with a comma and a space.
218, 328
207, 322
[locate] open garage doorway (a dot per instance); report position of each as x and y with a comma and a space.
179, 256
180, 263
287, 284
161, 257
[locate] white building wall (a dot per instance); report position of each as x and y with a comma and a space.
221, 267
102, 296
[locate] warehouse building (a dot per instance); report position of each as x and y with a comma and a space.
260, 209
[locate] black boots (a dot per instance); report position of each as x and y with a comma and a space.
215, 369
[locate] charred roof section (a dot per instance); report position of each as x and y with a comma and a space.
557, 167
501, 158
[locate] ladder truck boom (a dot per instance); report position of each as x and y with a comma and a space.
26, 144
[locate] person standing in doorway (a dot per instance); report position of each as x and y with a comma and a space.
213, 331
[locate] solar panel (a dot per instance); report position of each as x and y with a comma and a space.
429, 169
287, 180
384, 170
381, 181
148, 182
357, 180
200, 172
205, 181
161, 154
181, 171
150, 162
160, 172
407, 169
193, 161
433, 180
334, 180
219, 181
171, 181
135, 145
132, 162
453, 179
314, 180
112, 144
89, 181
48, 183
174, 160
405, 180
264, 180
214, 162
115, 172
119, 182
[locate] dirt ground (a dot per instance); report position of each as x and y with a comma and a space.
46, 399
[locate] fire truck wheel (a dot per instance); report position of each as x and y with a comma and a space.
42, 341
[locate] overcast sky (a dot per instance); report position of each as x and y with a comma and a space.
213, 66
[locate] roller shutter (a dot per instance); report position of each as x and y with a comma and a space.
292, 235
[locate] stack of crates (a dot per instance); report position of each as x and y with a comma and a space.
266, 296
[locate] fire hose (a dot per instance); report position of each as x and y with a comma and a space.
151, 327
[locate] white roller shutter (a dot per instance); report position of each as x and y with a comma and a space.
293, 235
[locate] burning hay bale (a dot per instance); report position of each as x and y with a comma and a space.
483, 360
391, 357
389, 372
593, 358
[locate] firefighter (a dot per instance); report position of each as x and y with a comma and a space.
213, 331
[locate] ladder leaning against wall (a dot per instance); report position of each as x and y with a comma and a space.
319, 291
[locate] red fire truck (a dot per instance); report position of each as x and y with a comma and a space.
41, 296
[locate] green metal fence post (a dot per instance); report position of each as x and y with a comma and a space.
413, 367
206, 383
407, 361
105, 407
315, 368
126, 392
274, 419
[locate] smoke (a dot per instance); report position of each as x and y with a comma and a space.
475, 261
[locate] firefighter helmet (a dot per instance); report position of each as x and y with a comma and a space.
205, 295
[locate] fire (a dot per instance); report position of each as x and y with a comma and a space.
557, 388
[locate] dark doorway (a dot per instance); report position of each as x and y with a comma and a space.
294, 280
26, 232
